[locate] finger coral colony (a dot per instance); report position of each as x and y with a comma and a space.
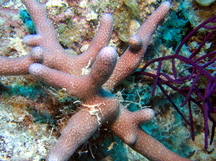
97, 104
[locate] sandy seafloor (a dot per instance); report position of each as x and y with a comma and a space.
32, 114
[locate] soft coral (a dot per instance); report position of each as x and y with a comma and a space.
199, 72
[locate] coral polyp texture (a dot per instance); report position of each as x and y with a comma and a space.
91, 77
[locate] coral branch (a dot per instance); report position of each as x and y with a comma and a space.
126, 127
84, 77
80, 85
47, 49
15, 66
132, 57
74, 134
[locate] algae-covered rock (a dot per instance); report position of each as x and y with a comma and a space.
205, 2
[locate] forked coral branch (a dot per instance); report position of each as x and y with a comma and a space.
49, 62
